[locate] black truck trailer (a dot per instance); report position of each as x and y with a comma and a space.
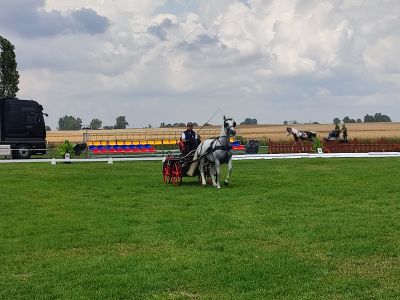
22, 127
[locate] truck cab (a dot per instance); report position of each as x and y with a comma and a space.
22, 126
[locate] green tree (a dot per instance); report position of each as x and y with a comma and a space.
96, 124
359, 120
121, 123
348, 120
165, 125
9, 77
69, 123
336, 120
108, 127
179, 125
368, 118
378, 117
249, 121
381, 118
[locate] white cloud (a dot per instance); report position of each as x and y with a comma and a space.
30, 20
268, 54
111, 9
384, 55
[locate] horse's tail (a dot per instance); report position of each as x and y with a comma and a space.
195, 162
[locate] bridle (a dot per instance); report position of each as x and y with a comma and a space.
228, 127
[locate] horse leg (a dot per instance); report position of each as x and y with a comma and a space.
213, 175
201, 167
229, 171
217, 171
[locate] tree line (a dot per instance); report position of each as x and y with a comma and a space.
165, 125
247, 121
72, 123
377, 117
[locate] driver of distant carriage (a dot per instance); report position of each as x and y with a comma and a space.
189, 138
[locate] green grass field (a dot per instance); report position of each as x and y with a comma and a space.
283, 229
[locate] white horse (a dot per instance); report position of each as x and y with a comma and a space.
216, 151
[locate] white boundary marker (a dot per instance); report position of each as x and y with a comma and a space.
54, 161
315, 155
83, 160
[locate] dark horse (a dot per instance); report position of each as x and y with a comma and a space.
302, 135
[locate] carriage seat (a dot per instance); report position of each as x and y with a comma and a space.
185, 148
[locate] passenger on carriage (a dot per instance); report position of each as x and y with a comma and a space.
344, 132
190, 139
335, 134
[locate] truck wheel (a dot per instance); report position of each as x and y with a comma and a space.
22, 152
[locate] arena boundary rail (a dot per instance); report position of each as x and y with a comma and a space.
111, 160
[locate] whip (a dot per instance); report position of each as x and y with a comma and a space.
218, 110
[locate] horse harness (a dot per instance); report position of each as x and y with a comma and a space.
226, 148
210, 149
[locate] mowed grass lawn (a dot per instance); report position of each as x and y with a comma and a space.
283, 229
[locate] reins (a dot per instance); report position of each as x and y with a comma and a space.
213, 149
218, 110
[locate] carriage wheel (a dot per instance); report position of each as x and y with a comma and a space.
176, 174
166, 172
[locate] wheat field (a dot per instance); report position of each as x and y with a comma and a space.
260, 132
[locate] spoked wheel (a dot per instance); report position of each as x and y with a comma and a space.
166, 171
176, 174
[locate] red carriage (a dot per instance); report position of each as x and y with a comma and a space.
204, 161
175, 167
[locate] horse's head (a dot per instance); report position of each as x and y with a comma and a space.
289, 130
229, 126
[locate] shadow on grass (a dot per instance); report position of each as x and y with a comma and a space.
197, 183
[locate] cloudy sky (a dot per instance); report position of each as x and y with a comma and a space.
169, 61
